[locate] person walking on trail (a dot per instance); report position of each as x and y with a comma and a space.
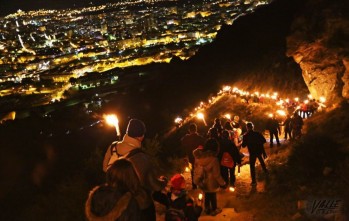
149, 177
189, 143
287, 127
179, 205
255, 145
207, 175
118, 198
274, 130
218, 125
296, 125
229, 156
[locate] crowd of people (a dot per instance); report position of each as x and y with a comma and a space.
133, 183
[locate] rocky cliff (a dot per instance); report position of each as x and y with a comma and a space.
319, 43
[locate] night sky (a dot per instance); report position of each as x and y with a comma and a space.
11, 6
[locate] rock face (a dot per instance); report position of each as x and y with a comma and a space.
319, 43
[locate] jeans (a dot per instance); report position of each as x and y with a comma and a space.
228, 172
253, 159
272, 134
210, 201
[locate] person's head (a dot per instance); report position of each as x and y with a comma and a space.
217, 121
103, 200
228, 126
236, 119
211, 145
177, 182
192, 128
249, 126
225, 134
135, 128
213, 132
122, 176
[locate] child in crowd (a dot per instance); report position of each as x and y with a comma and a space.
178, 204
207, 174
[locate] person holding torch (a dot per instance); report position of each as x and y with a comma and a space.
179, 205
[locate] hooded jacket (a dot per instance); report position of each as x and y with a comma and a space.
130, 148
207, 171
125, 209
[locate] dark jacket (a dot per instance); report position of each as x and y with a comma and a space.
190, 142
226, 145
124, 207
181, 201
254, 142
207, 171
287, 124
273, 125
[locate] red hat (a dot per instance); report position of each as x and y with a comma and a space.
177, 182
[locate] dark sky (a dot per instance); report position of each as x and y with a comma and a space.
10, 6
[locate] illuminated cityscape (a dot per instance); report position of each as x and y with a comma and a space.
46, 52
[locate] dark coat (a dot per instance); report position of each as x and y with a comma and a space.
254, 142
273, 125
226, 145
190, 142
126, 208
181, 201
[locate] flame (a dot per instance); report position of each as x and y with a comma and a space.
200, 116
228, 116
226, 88
281, 112
113, 120
200, 196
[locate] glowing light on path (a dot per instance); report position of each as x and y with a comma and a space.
200, 196
201, 117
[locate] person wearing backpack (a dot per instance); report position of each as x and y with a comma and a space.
179, 206
207, 175
148, 174
229, 157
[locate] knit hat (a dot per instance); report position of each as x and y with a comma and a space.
135, 128
177, 182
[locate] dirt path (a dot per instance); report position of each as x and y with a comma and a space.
236, 205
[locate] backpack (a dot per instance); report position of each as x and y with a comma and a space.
227, 160
173, 214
